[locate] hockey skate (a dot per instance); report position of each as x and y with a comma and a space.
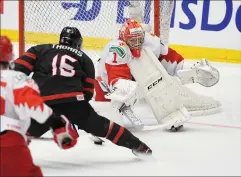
142, 150
176, 128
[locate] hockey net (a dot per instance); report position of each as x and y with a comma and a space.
98, 21
41, 22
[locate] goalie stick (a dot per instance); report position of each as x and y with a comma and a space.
40, 138
97, 140
125, 110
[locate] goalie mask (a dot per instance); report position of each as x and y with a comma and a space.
71, 36
132, 34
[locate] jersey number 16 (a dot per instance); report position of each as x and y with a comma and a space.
61, 67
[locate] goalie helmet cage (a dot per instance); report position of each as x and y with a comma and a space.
41, 21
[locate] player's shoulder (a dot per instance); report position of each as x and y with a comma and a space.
39, 49
116, 52
20, 80
12, 74
153, 42
118, 43
45, 45
151, 36
42, 46
119, 47
13, 77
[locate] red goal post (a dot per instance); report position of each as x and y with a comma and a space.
41, 21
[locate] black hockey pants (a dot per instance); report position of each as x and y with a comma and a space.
84, 116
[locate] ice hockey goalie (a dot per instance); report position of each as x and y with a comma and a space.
123, 59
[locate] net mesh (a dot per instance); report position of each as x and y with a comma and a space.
166, 8
98, 21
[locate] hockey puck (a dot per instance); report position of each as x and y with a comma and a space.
98, 142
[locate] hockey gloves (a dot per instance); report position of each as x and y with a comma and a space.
202, 72
65, 135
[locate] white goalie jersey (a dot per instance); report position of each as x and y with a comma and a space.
20, 100
116, 56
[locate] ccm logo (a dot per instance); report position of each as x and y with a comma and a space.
154, 84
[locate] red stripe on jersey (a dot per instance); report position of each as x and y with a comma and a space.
29, 96
172, 56
3, 84
88, 89
24, 63
60, 96
2, 101
99, 93
31, 55
116, 72
2, 106
117, 137
90, 80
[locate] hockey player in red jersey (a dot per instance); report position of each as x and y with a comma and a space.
19, 101
118, 55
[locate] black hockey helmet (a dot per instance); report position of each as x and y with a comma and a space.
71, 36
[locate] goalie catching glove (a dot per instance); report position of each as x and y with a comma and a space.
65, 135
202, 73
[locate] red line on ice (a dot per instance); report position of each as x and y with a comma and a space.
215, 125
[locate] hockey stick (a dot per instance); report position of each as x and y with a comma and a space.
94, 138
40, 138
130, 115
47, 138
126, 110
97, 140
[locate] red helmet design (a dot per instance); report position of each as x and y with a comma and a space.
132, 33
6, 49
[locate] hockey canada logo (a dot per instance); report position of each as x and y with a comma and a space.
152, 85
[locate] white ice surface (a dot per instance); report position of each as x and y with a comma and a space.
204, 147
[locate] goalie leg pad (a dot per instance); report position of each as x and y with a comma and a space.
159, 89
167, 105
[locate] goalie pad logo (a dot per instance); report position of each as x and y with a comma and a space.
152, 85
